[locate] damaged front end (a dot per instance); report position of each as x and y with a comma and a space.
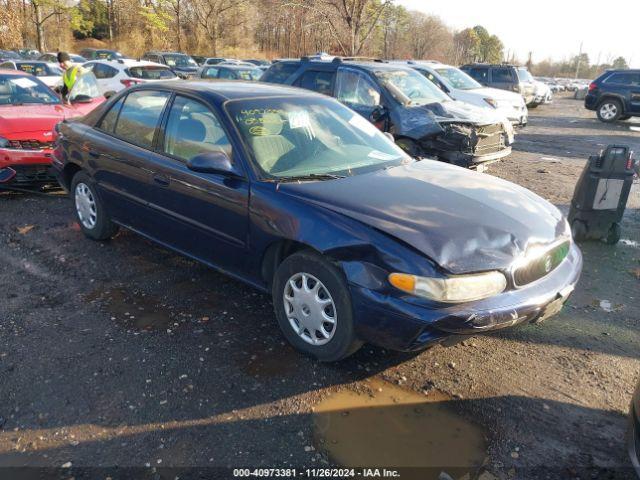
469, 145
456, 133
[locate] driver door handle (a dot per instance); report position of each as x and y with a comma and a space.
162, 180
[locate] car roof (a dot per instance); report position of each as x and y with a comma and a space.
220, 91
123, 63
233, 66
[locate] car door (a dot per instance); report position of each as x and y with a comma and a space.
119, 151
503, 78
634, 93
357, 91
206, 214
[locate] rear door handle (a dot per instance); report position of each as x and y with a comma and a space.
161, 180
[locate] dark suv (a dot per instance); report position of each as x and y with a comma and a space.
180, 63
423, 120
615, 95
504, 77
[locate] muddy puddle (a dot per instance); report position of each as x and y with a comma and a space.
394, 427
134, 309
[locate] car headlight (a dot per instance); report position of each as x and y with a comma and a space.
453, 289
491, 102
4, 142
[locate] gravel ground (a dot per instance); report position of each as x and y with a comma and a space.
125, 354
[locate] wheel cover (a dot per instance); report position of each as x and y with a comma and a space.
608, 111
86, 206
310, 309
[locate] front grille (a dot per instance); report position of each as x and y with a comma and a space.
541, 265
30, 145
489, 139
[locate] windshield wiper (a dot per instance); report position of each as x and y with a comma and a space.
311, 176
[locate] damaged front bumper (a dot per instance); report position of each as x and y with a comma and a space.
409, 323
468, 145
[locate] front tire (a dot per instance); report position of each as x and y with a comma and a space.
90, 212
609, 110
313, 307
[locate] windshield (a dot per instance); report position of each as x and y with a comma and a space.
524, 75
19, 90
85, 88
179, 60
151, 73
410, 87
40, 69
297, 137
458, 79
107, 55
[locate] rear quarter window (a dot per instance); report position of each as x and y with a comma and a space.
625, 78
140, 116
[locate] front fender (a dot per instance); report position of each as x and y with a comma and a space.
365, 254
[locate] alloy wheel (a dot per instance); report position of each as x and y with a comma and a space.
608, 111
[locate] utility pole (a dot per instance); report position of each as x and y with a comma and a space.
578, 62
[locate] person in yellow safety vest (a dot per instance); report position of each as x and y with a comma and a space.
70, 74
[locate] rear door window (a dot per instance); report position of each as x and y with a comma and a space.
318, 81
502, 75
210, 72
479, 74
139, 117
280, 72
228, 74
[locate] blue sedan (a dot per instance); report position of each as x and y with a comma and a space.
299, 196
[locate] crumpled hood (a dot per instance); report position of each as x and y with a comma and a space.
500, 95
455, 111
30, 118
464, 221
419, 121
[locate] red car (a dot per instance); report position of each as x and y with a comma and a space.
29, 111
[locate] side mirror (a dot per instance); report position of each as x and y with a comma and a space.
81, 99
378, 114
109, 94
212, 162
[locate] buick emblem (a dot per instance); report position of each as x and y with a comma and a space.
547, 264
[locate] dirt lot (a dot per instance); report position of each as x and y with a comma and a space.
126, 354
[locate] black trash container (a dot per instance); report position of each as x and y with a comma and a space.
601, 195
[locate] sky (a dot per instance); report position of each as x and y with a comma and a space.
548, 28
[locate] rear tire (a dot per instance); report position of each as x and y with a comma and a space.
609, 110
316, 316
90, 212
